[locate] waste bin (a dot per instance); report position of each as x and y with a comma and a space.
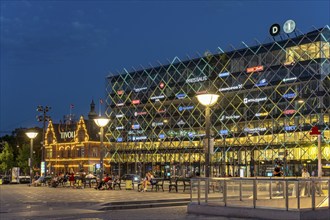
128, 184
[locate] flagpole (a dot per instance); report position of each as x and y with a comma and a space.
100, 108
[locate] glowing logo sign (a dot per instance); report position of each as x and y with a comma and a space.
183, 108
289, 111
140, 89
261, 114
239, 86
120, 116
255, 69
120, 104
254, 130
196, 79
289, 79
289, 95
120, 92
161, 136
139, 113
136, 101
120, 128
246, 100
224, 74
224, 117
223, 132
135, 126
290, 128
120, 139
156, 98
155, 124
180, 95
262, 82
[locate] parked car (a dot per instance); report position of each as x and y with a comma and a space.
5, 179
24, 179
134, 177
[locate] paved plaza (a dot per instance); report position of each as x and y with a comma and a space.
23, 202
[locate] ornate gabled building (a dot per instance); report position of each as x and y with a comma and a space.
74, 145
271, 95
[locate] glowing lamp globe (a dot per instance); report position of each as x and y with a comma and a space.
207, 99
101, 122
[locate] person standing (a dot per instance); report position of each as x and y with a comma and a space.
305, 183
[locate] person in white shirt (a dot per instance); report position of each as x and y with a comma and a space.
305, 184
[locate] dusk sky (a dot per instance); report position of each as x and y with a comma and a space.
59, 53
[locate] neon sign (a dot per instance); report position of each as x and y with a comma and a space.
289, 111
223, 132
262, 82
156, 98
183, 108
255, 69
246, 100
120, 139
290, 128
239, 86
261, 114
120, 128
180, 95
155, 124
196, 79
224, 74
289, 79
140, 89
120, 104
120, 116
136, 101
289, 95
224, 117
139, 113
254, 130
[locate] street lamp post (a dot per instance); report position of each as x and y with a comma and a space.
101, 122
31, 135
207, 100
43, 118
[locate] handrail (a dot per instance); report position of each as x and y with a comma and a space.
263, 189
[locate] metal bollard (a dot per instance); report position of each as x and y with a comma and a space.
240, 190
225, 192
254, 193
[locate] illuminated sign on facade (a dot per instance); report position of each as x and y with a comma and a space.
136, 101
155, 124
68, 134
289, 79
262, 82
246, 100
224, 74
120, 116
196, 79
139, 113
239, 86
289, 95
255, 69
181, 122
289, 111
254, 130
290, 128
138, 138
224, 117
260, 114
135, 126
156, 98
120, 104
180, 95
140, 89
161, 111
161, 85
161, 136
120, 128
120, 139
223, 132
120, 92
183, 108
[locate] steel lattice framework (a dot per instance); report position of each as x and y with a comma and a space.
270, 97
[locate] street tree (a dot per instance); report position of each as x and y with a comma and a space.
6, 158
23, 158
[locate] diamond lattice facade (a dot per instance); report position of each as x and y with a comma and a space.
271, 95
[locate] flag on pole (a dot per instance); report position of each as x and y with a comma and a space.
71, 106
101, 101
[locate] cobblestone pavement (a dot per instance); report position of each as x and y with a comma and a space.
24, 202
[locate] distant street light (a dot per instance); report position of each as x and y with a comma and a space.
101, 122
207, 100
31, 135
43, 118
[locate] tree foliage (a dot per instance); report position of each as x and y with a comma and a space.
23, 158
6, 158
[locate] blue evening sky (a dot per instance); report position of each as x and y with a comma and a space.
59, 53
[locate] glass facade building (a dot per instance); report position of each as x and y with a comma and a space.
271, 95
